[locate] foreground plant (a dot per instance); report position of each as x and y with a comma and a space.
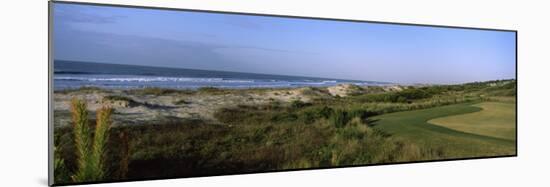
90, 152
61, 172
103, 123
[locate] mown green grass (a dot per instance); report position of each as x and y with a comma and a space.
412, 126
495, 119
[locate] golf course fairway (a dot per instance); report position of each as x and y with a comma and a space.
495, 119
442, 142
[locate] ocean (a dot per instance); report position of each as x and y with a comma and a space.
73, 75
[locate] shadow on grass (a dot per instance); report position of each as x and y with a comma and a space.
372, 122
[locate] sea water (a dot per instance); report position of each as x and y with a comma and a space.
72, 75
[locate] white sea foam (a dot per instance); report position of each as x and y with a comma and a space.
151, 79
142, 81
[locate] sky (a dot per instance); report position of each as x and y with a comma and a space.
282, 46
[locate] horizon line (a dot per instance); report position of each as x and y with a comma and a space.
302, 76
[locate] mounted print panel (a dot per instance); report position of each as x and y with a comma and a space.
141, 93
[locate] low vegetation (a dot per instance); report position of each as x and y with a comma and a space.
154, 91
369, 128
89, 144
182, 102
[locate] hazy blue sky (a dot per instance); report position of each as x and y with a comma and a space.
271, 45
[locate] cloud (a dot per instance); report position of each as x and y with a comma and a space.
265, 49
243, 24
150, 51
83, 15
131, 49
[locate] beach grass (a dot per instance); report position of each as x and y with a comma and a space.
89, 149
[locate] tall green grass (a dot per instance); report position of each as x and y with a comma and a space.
103, 123
82, 140
60, 169
124, 155
339, 118
90, 150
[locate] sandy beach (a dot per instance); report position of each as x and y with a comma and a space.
157, 106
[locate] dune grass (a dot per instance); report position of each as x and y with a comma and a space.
448, 143
250, 139
82, 139
495, 119
90, 146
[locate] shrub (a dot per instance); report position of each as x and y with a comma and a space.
210, 90
156, 91
117, 98
61, 172
360, 113
274, 104
339, 118
350, 133
284, 117
124, 155
413, 93
299, 104
231, 115
309, 117
325, 112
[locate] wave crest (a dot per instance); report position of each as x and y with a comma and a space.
152, 79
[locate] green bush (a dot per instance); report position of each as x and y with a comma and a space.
339, 118
309, 117
284, 117
298, 104
156, 91
212, 90
325, 112
61, 172
360, 113
274, 104
118, 98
